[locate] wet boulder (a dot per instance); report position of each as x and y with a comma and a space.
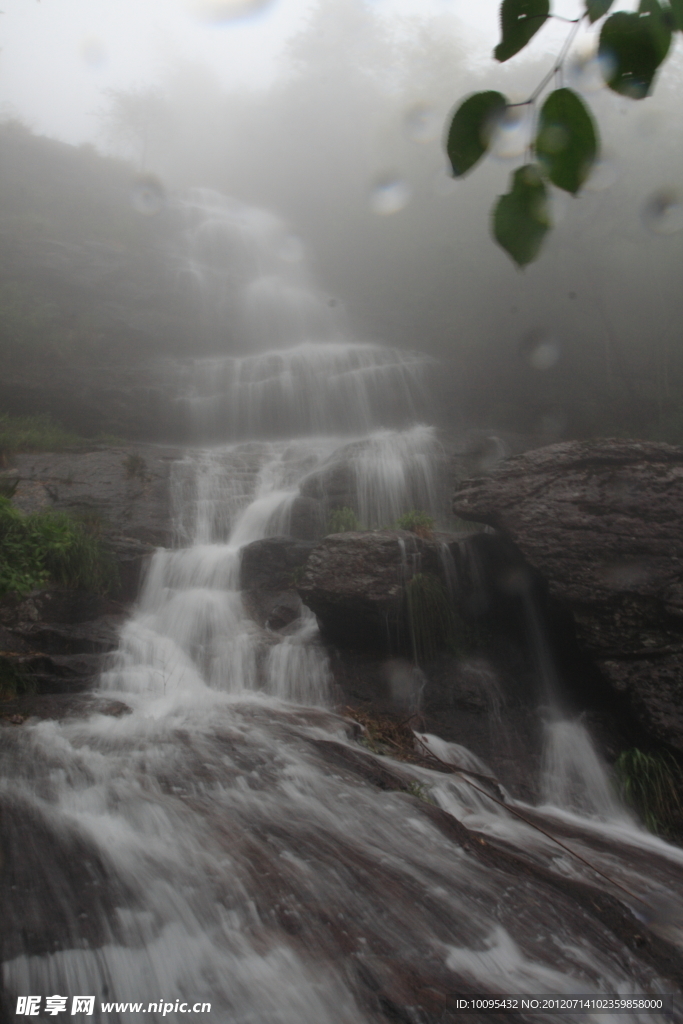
272, 563
58, 706
334, 485
354, 582
54, 641
269, 571
601, 522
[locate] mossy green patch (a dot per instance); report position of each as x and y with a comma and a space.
418, 522
51, 547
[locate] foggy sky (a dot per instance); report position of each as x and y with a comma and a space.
308, 109
57, 57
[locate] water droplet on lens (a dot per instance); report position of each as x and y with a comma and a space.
422, 123
511, 134
147, 195
292, 249
444, 184
219, 11
586, 71
603, 175
607, 65
663, 212
540, 350
389, 196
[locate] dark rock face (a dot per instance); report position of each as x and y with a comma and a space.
354, 584
601, 521
429, 475
268, 573
470, 701
54, 640
334, 485
270, 564
58, 706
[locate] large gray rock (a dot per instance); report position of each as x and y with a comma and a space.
272, 563
269, 569
602, 522
354, 583
54, 640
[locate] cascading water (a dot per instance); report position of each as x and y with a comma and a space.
227, 841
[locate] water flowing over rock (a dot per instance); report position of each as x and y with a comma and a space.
601, 521
340, 387
384, 475
230, 840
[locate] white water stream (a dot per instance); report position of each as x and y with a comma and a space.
216, 844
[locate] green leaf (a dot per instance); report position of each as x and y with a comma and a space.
519, 21
632, 46
595, 9
676, 8
567, 140
471, 129
520, 218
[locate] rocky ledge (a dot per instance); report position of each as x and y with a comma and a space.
354, 582
53, 640
601, 521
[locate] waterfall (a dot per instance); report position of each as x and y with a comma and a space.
227, 841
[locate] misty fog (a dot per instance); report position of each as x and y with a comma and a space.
346, 144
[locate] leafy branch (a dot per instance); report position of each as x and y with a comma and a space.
564, 142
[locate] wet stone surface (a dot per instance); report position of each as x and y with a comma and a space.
601, 522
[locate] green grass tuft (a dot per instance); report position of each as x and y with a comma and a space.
51, 547
652, 784
417, 522
342, 520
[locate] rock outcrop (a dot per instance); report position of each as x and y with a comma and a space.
58, 706
602, 522
354, 582
126, 487
465, 686
269, 570
52, 641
